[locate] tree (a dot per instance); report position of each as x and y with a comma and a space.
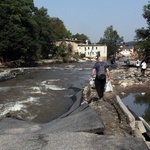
143, 34
42, 32
59, 31
81, 37
68, 34
47, 30
27, 32
111, 39
14, 21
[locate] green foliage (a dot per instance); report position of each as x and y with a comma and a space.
42, 32
68, 34
111, 39
69, 49
143, 48
82, 55
63, 49
59, 31
27, 32
14, 19
143, 34
146, 13
63, 52
81, 37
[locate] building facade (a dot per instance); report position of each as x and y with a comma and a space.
127, 51
88, 50
92, 50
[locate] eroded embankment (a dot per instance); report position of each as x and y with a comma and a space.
115, 120
116, 117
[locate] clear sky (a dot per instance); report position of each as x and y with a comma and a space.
92, 17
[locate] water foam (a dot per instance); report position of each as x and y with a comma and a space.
11, 107
37, 90
17, 106
49, 85
53, 87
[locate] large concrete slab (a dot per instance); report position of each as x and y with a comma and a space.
70, 141
68, 132
84, 120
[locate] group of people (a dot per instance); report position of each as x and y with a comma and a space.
143, 66
101, 69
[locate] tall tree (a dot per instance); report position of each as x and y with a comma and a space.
59, 31
111, 39
28, 33
143, 34
47, 30
14, 19
42, 32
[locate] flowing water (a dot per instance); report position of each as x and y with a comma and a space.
43, 93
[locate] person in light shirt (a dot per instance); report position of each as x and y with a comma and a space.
137, 64
143, 67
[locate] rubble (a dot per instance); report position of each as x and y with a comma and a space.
115, 120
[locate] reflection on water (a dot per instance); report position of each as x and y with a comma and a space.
139, 103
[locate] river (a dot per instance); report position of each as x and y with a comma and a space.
43, 94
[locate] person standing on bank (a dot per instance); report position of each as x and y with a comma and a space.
102, 72
137, 64
143, 67
98, 55
127, 64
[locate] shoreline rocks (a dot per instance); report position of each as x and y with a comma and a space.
116, 121
6, 74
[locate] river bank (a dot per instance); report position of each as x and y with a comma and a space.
115, 120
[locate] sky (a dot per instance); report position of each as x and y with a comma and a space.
93, 17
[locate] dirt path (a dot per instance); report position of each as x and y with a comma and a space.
115, 121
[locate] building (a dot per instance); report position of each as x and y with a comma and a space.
92, 50
88, 50
127, 50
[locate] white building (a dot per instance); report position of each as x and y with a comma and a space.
91, 50
83, 48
